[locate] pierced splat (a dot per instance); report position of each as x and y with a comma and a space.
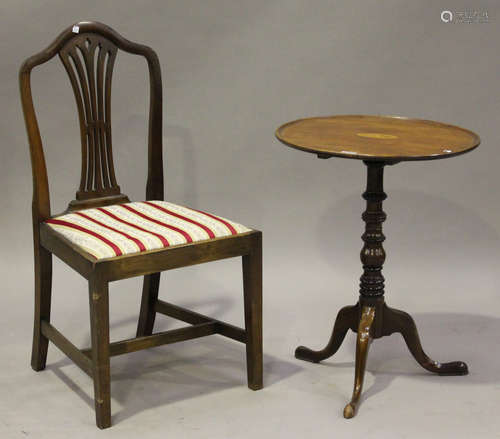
89, 60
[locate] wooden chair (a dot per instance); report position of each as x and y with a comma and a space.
105, 238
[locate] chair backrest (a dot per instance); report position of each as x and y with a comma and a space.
88, 51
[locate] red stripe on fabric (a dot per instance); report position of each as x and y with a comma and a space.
229, 226
142, 215
185, 218
163, 240
137, 241
115, 248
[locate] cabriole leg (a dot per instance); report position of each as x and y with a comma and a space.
348, 317
402, 322
363, 343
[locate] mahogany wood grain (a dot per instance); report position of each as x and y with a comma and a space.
43, 294
378, 141
363, 341
68, 348
252, 287
88, 51
386, 138
147, 314
92, 191
347, 318
99, 332
159, 339
194, 318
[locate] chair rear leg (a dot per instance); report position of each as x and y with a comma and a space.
147, 314
43, 286
252, 287
99, 328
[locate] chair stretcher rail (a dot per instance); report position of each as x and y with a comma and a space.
201, 326
75, 354
194, 318
159, 339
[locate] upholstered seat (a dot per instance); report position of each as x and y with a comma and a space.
106, 238
123, 229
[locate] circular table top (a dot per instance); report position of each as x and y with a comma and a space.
382, 138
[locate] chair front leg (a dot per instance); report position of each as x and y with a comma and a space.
43, 286
147, 314
99, 328
252, 288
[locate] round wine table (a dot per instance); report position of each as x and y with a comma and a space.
377, 141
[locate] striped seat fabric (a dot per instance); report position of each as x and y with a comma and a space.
124, 229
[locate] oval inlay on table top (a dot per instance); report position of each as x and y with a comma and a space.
390, 138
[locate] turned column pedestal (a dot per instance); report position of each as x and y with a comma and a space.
378, 141
371, 318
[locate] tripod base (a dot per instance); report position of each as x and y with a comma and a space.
371, 319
